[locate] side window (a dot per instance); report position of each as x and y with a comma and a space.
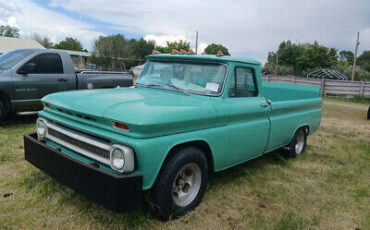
47, 63
243, 83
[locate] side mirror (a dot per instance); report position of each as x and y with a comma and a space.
27, 68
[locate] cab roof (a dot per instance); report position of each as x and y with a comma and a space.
202, 57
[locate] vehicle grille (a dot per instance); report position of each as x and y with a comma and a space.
79, 144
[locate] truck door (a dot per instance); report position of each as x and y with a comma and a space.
38, 77
248, 116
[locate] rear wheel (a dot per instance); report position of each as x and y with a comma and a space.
2, 111
298, 143
181, 184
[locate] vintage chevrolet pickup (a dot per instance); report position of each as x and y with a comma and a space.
185, 116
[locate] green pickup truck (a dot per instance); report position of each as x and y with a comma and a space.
187, 115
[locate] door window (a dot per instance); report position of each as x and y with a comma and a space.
243, 83
49, 63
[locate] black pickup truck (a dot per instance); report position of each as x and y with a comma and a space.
27, 75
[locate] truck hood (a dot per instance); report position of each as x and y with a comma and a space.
148, 112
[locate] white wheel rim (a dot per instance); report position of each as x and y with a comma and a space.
187, 184
299, 143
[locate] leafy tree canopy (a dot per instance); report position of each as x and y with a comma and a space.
178, 45
300, 59
44, 41
69, 44
364, 60
115, 52
214, 48
346, 56
9, 31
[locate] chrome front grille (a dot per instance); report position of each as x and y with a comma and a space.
79, 142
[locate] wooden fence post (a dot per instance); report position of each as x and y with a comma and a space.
322, 89
362, 88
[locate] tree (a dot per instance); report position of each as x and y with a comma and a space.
178, 45
9, 31
364, 60
315, 57
44, 41
289, 54
141, 48
301, 58
69, 44
346, 56
214, 48
116, 52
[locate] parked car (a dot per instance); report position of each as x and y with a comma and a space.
185, 116
27, 75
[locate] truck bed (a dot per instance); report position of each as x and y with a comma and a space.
292, 106
102, 79
286, 92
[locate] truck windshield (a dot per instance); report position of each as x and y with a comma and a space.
189, 77
8, 60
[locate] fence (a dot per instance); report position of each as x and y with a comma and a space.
328, 87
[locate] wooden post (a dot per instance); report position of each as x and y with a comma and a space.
362, 87
196, 43
355, 57
322, 89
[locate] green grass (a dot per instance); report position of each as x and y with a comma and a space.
325, 188
355, 99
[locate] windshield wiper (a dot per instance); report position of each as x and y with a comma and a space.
161, 86
148, 85
178, 89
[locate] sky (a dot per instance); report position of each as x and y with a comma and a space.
248, 28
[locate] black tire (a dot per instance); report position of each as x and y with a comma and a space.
297, 138
2, 111
163, 192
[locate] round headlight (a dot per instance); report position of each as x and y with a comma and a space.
40, 127
118, 159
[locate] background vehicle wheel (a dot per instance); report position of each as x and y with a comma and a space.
2, 111
181, 184
298, 144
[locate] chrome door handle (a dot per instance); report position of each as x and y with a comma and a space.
62, 79
267, 104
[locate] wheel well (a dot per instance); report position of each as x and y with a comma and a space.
5, 100
202, 145
306, 129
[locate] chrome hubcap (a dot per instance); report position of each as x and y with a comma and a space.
187, 184
299, 144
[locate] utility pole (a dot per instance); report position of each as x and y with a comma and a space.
276, 63
196, 43
355, 57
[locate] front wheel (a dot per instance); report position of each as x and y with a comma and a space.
181, 183
298, 143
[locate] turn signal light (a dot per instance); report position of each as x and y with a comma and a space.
155, 52
219, 53
174, 51
120, 125
47, 105
190, 51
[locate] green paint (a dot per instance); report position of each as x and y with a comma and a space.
236, 129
